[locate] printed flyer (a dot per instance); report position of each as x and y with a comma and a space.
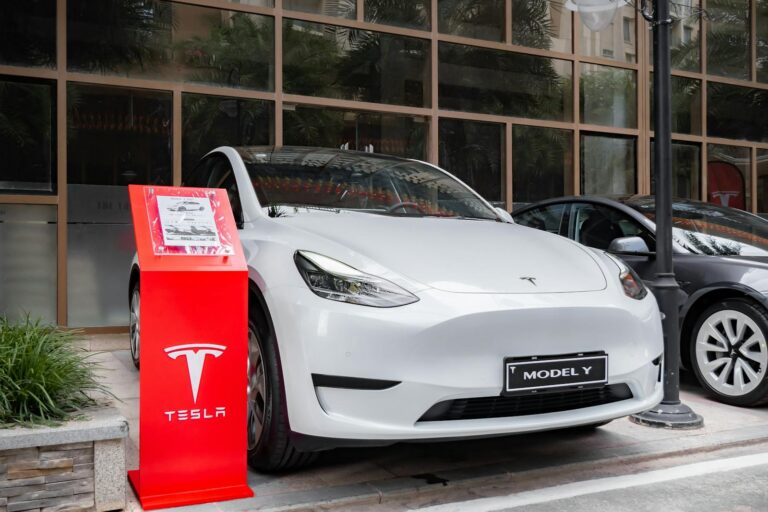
187, 221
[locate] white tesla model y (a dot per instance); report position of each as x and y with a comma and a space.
390, 302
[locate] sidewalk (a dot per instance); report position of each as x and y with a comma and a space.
368, 476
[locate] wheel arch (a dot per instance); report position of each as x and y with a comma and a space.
704, 298
258, 304
133, 279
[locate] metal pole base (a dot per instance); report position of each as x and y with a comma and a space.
672, 416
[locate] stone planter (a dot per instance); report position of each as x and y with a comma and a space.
79, 465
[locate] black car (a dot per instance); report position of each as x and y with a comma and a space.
721, 263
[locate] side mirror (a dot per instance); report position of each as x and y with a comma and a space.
504, 214
629, 245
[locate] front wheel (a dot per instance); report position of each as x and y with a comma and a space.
729, 352
269, 445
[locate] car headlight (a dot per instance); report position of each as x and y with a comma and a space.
630, 282
333, 280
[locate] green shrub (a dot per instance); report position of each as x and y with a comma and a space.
44, 376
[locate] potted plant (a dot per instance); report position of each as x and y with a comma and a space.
60, 445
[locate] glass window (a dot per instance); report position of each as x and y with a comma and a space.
379, 133
762, 181
549, 218
506, 83
212, 121
408, 13
685, 36
728, 30
686, 170
27, 135
115, 137
735, 112
542, 163
472, 18
28, 261
628, 30
28, 33
608, 96
171, 41
686, 105
608, 164
612, 42
762, 40
340, 62
728, 170
474, 153
339, 8
544, 24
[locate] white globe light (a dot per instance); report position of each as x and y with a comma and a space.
595, 14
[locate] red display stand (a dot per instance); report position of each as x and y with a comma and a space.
193, 381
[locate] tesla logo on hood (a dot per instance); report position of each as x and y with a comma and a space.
531, 280
195, 354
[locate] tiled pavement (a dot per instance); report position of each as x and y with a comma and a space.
373, 474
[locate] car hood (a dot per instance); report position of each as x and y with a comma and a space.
456, 255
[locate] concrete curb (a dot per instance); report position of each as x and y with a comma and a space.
98, 424
371, 493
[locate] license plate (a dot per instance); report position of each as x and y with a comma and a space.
535, 374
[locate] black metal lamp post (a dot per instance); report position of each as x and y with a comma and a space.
671, 413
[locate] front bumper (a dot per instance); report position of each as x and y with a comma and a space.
452, 346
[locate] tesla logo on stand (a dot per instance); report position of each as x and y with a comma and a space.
531, 280
195, 354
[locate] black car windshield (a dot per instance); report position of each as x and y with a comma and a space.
704, 228
343, 180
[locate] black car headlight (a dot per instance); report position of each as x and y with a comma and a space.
334, 280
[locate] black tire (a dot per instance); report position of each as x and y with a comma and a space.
135, 344
273, 450
758, 395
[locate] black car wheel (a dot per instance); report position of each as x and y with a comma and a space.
269, 444
134, 324
729, 352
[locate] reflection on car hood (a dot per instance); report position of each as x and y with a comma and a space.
455, 255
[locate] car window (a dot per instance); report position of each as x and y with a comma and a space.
198, 176
548, 218
361, 182
598, 225
705, 228
221, 175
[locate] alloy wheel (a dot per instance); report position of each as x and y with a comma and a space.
731, 353
135, 325
257, 389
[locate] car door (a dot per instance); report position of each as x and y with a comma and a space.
597, 225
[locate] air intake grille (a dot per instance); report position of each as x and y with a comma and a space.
507, 406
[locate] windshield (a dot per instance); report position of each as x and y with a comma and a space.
376, 184
704, 228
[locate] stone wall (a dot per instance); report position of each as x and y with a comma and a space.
48, 478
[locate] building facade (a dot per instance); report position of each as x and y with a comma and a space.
515, 97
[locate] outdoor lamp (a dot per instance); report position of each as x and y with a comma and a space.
595, 14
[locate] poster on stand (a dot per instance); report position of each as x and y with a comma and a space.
187, 222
